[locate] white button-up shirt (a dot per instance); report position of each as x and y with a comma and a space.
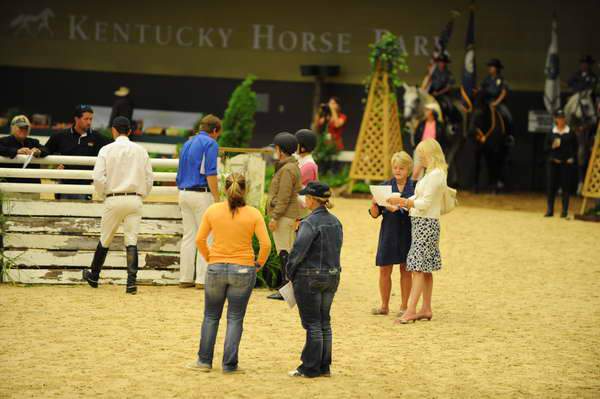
428, 196
123, 167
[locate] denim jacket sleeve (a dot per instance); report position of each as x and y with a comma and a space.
304, 239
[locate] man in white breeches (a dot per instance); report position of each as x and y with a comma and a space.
123, 176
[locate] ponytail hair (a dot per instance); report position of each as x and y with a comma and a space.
322, 201
235, 189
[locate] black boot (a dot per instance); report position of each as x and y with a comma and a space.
132, 268
565, 204
550, 207
283, 258
99, 257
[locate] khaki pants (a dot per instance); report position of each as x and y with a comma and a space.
285, 234
121, 209
192, 266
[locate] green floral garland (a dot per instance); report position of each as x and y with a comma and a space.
388, 53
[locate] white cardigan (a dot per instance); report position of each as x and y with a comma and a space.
428, 195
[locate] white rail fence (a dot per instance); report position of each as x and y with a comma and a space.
19, 172
49, 242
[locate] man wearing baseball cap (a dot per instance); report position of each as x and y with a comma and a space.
19, 143
122, 175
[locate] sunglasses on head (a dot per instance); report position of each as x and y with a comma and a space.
84, 108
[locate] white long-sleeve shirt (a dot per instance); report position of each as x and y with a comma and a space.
123, 167
429, 194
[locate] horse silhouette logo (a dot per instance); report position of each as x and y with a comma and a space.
33, 25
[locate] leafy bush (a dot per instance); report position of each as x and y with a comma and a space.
335, 180
361, 187
267, 277
595, 210
269, 172
238, 122
325, 151
388, 54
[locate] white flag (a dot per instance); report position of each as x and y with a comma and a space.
552, 86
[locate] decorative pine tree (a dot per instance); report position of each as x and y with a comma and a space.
238, 122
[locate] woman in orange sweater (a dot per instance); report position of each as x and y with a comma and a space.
231, 269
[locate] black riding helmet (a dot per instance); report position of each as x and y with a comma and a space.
286, 142
307, 140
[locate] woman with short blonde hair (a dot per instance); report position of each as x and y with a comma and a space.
394, 235
425, 209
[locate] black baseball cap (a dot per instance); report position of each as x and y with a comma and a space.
316, 189
559, 113
121, 123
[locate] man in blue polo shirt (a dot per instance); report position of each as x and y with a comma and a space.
198, 189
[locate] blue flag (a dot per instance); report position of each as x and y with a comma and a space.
469, 76
441, 45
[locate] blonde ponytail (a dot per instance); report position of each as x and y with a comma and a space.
326, 202
235, 189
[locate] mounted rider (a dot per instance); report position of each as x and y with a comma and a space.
440, 83
494, 90
584, 79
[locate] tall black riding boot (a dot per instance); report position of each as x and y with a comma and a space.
283, 258
565, 204
99, 257
132, 268
550, 206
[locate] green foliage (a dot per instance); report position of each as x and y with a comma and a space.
361, 187
106, 132
388, 54
335, 180
267, 276
238, 123
269, 172
595, 210
325, 151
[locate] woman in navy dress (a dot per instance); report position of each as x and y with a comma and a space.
395, 235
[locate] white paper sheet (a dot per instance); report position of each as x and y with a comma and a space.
27, 161
287, 292
381, 194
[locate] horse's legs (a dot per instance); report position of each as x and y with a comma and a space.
453, 149
493, 162
478, 156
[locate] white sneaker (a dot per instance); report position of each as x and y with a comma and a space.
295, 373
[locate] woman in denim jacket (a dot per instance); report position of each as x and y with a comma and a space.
314, 269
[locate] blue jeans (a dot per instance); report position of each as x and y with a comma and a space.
233, 283
314, 295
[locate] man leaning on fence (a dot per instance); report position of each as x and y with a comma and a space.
79, 140
198, 189
122, 175
19, 143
